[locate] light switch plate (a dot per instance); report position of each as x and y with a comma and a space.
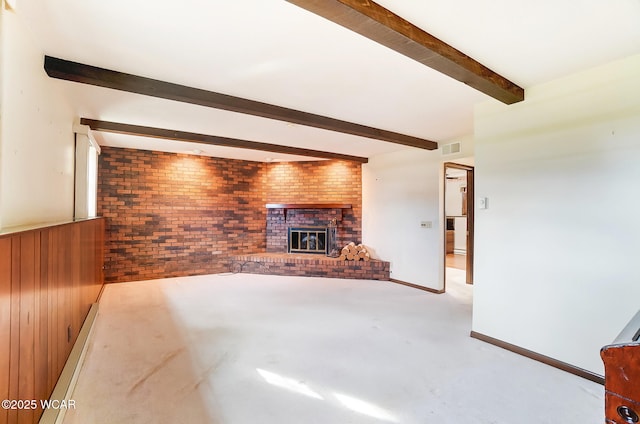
482, 203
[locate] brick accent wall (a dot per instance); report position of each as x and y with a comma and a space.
313, 182
172, 215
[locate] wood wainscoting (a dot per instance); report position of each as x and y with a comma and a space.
49, 278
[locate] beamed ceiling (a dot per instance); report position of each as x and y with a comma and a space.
302, 79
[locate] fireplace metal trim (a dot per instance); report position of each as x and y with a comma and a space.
312, 240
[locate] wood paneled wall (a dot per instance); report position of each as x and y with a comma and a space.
49, 277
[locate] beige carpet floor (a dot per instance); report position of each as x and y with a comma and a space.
254, 349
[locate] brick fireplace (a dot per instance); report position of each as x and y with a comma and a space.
281, 218
278, 260
171, 215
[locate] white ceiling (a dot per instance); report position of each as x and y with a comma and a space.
275, 52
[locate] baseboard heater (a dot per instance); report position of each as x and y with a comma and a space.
63, 390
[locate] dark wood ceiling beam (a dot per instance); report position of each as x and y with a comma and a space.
383, 26
139, 130
86, 74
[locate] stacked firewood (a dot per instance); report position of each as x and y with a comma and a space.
353, 252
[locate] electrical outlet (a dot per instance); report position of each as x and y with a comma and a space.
426, 224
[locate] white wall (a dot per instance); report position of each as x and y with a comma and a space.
36, 138
556, 250
399, 190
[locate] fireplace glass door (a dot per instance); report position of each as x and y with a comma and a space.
307, 240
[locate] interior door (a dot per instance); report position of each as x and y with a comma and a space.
469, 211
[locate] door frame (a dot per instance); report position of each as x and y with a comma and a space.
470, 219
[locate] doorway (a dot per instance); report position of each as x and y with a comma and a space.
459, 213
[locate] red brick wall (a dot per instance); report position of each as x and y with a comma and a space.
313, 182
173, 215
